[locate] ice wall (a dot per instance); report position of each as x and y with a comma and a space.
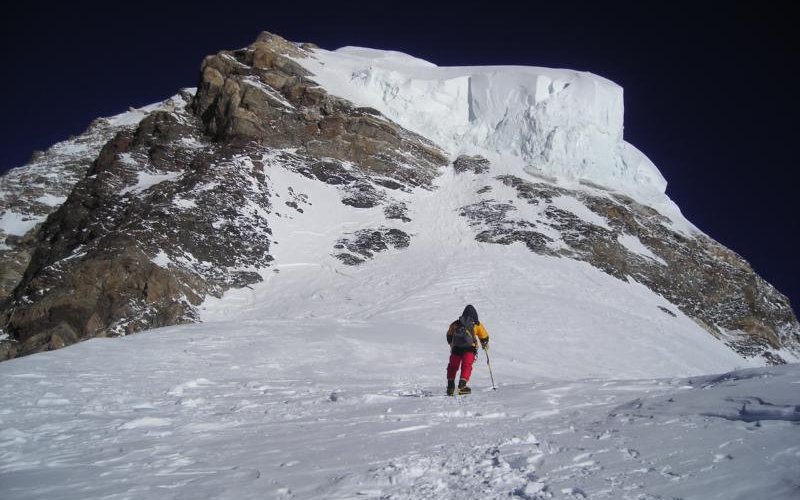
561, 123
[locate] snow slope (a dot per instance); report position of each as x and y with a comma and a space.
337, 409
549, 316
324, 381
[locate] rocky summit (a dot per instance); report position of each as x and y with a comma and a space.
135, 223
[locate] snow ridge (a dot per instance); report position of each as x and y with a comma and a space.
561, 123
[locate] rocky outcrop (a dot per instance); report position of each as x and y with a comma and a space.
475, 164
397, 210
30, 193
92, 272
708, 282
261, 94
363, 244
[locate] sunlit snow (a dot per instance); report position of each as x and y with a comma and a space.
562, 122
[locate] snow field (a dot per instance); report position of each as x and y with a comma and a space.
325, 409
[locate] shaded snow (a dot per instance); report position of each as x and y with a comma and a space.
127, 159
161, 259
71, 148
571, 204
18, 224
185, 203
134, 115
50, 200
146, 180
636, 246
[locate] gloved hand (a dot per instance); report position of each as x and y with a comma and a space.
485, 344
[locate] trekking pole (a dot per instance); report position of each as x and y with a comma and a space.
486, 351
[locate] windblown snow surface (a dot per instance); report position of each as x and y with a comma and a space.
326, 380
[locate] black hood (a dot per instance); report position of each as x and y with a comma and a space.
470, 312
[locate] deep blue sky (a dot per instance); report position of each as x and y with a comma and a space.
710, 94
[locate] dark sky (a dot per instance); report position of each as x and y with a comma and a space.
709, 91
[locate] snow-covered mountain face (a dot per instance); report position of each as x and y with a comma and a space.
374, 188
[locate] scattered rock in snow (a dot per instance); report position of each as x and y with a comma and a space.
476, 164
705, 280
366, 242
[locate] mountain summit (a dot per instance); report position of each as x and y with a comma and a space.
298, 183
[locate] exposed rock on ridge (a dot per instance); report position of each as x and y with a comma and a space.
30, 193
261, 94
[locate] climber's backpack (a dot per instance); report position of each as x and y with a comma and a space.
464, 336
